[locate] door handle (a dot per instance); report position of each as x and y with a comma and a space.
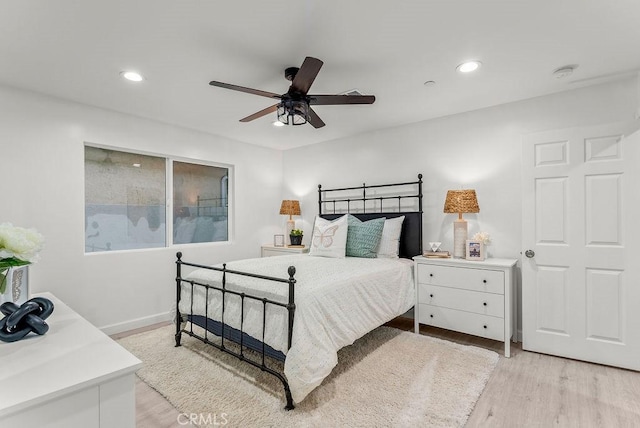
530, 253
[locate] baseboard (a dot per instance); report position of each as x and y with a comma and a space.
136, 323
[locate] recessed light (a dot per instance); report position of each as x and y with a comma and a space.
469, 66
278, 123
132, 76
564, 71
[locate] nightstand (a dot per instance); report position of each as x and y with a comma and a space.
473, 297
270, 250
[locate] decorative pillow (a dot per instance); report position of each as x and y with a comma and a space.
390, 240
363, 237
329, 237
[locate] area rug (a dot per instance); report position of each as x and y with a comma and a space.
389, 378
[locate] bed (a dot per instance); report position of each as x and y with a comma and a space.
301, 309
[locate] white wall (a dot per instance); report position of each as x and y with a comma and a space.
478, 149
42, 186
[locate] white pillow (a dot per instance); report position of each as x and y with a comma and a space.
329, 238
390, 241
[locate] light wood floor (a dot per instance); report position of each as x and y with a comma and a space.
526, 390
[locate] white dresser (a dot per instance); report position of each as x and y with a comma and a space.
72, 376
473, 297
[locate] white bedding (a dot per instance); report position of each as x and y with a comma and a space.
337, 302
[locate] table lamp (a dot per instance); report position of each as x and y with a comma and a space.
460, 201
290, 208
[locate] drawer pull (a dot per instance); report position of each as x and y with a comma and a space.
431, 315
484, 304
484, 326
431, 274
484, 281
430, 295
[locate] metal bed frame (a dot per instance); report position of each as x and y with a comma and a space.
410, 245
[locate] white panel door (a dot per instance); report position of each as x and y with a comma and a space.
581, 264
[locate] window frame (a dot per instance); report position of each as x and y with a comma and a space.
169, 207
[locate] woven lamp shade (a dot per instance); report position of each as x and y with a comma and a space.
461, 201
290, 207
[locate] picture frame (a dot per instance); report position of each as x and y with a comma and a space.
278, 240
474, 250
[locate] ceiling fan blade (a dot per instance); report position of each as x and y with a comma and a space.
314, 119
243, 89
306, 75
261, 113
326, 100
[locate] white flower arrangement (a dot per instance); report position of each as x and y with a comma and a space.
483, 237
18, 247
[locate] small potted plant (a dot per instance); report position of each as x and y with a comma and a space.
296, 237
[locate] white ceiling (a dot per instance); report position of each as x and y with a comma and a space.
75, 49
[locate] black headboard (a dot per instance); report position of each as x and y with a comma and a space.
390, 205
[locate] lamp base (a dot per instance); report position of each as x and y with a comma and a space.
291, 224
459, 238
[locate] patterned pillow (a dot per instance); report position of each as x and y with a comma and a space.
390, 241
363, 237
329, 237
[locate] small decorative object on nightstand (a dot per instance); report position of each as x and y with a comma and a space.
270, 250
296, 237
474, 250
473, 297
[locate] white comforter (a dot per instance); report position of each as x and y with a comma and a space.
337, 302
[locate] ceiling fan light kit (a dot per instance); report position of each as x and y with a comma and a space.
291, 112
294, 107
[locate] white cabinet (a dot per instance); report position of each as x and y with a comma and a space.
473, 297
270, 250
72, 376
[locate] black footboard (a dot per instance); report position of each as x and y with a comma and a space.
226, 332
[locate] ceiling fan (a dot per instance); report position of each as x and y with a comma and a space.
294, 107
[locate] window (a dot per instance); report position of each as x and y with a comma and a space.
200, 203
126, 201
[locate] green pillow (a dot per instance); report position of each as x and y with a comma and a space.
363, 237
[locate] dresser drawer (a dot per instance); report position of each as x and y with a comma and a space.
271, 251
490, 281
268, 252
465, 300
465, 322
